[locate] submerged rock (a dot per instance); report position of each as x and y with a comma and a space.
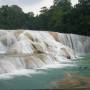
72, 81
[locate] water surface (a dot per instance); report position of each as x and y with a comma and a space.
47, 77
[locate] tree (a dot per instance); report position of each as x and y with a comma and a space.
12, 17
43, 10
61, 17
60, 8
78, 20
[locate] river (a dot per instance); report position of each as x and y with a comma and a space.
47, 77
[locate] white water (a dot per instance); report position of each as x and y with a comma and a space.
25, 50
80, 44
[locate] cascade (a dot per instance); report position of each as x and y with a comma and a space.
80, 44
27, 49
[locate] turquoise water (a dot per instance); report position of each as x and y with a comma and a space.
44, 79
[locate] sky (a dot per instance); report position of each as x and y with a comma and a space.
31, 5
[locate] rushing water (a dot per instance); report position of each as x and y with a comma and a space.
43, 60
46, 77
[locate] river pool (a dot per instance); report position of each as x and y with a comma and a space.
52, 77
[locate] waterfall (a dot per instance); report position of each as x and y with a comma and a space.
27, 49
80, 44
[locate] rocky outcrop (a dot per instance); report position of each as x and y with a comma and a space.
26, 49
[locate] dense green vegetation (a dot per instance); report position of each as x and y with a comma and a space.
61, 17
